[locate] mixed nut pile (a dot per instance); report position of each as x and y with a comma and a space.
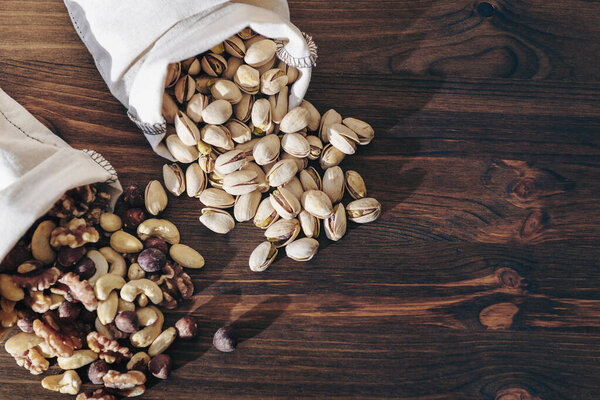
233, 130
86, 286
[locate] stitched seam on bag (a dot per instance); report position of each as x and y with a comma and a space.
148, 129
104, 163
22, 131
303, 62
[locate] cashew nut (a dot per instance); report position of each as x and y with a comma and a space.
77, 360
133, 288
100, 263
9, 289
69, 382
106, 284
146, 316
21, 342
162, 342
125, 306
135, 272
107, 309
102, 329
144, 337
161, 228
40, 242
123, 242
138, 360
116, 261
186, 256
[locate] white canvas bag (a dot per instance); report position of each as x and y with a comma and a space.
36, 168
133, 41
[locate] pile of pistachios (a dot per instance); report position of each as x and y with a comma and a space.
233, 130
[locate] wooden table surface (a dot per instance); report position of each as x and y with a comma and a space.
480, 280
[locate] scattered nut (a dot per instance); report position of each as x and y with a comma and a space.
224, 339
96, 371
68, 382
160, 366
127, 321
152, 260
186, 328
118, 380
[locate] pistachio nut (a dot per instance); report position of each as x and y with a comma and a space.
186, 129
216, 220
265, 215
243, 109
285, 203
247, 79
291, 72
246, 33
181, 152
185, 88
333, 184
195, 106
186, 256
214, 64
294, 186
301, 163
363, 130
330, 157
217, 112
246, 205
226, 90
215, 180
314, 117
216, 198
204, 83
240, 132
195, 180
329, 118
235, 47
272, 81
262, 256
192, 66
266, 150
262, 122
173, 73
123, 242
232, 66
207, 162
169, 108
363, 210
260, 53
283, 232
294, 121
282, 172
230, 162
316, 147
302, 249
267, 66
218, 136
256, 38
261, 178
311, 225
240, 182
335, 226
155, 197
355, 185
279, 104
174, 179
310, 179
343, 138
218, 48
317, 203
295, 144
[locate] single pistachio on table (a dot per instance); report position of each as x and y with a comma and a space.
260, 53
186, 129
262, 122
302, 249
330, 117
195, 180
272, 81
240, 132
335, 225
311, 225
285, 203
214, 64
363, 130
333, 184
363, 210
317, 203
218, 136
218, 112
262, 256
235, 47
226, 90
204, 83
282, 172
355, 185
230, 162
310, 179
169, 108
330, 157
180, 151
155, 197
240, 182
279, 104
174, 179
261, 178
173, 73
294, 186
314, 117
243, 109
265, 215
216, 220
247, 79
233, 64
192, 66
195, 106
295, 144
295, 120
216, 198
283, 232
185, 89
246, 205
266, 150
343, 138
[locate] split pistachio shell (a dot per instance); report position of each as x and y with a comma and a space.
302, 249
192, 66
282, 172
174, 179
355, 185
363, 210
261, 178
226, 90
218, 136
214, 64
330, 157
246, 205
169, 108
230, 162
317, 203
335, 226
331, 117
262, 256
343, 138
246, 33
232, 66
217, 112
311, 225
218, 49
173, 74
333, 184
261, 117
314, 117
186, 129
247, 79
310, 179
260, 53
283, 232
243, 109
185, 88
295, 144
216, 198
265, 215
204, 83
195, 107
316, 147
207, 162
195, 179
155, 197
294, 121
279, 104
272, 81
294, 186
181, 152
240, 132
285, 203
291, 72
240, 182
266, 150
215, 180
363, 130
235, 47
216, 220
301, 163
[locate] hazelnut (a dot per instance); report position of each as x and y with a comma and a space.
152, 260
127, 321
133, 217
96, 371
85, 268
225, 340
156, 243
133, 195
25, 322
160, 366
186, 328
68, 311
67, 257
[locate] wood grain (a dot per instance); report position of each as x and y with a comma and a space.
479, 281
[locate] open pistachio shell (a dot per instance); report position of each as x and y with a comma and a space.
283, 232
317, 203
218, 136
302, 249
330, 157
230, 161
262, 122
173, 74
218, 221
333, 184
335, 225
343, 138
295, 144
355, 185
195, 106
186, 129
285, 203
265, 215
316, 147
294, 186
226, 90
311, 225
279, 104
240, 182
195, 179
363, 130
240, 132
260, 53
246, 205
214, 64
192, 66
216, 198
243, 109
174, 179
272, 81
185, 88
282, 172
262, 256
329, 118
266, 150
310, 179
363, 210
247, 79
180, 151
261, 177
294, 121
235, 47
